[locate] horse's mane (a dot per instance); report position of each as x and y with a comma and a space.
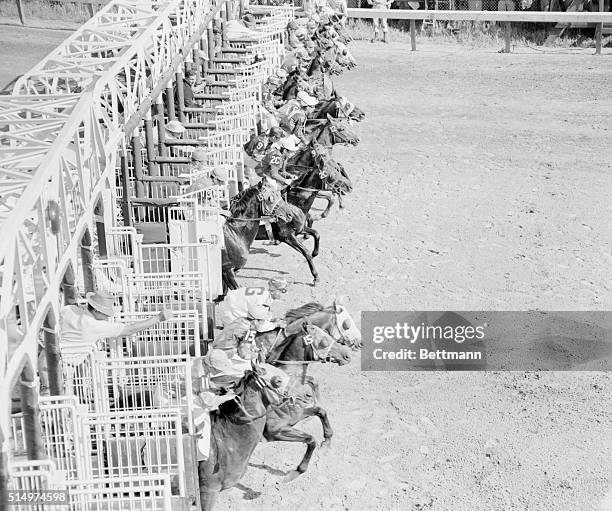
240, 202
303, 311
229, 407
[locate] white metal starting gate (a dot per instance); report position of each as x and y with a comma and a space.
122, 436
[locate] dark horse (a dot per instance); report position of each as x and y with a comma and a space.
241, 228
338, 107
315, 156
328, 132
236, 429
323, 177
293, 354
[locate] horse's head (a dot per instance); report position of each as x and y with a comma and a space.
319, 345
271, 201
343, 326
341, 134
257, 382
333, 178
349, 110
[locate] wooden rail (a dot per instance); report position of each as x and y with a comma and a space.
507, 17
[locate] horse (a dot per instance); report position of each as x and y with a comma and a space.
236, 429
335, 320
338, 107
325, 177
287, 231
328, 132
314, 155
293, 354
240, 230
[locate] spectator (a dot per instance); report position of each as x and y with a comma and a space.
380, 22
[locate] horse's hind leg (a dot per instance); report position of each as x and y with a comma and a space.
288, 434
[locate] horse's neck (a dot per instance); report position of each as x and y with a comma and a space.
324, 136
247, 228
267, 340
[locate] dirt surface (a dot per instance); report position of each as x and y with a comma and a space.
482, 181
23, 48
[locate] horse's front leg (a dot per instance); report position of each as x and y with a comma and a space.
208, 499
229, 278
330, 198
289, 434
317, 239
340, 201
293, 242
321, 413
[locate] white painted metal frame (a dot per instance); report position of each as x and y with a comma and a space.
64, 129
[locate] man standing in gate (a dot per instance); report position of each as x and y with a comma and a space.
378, 22
82, 327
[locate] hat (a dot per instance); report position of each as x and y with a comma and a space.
220, 173
175, 127
276, 131
278, 285
306, 98
102, 301
198, 155
217, 359
288, 143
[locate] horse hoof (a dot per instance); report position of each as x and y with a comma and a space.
294, 474
314, 254
326, 445
314, 282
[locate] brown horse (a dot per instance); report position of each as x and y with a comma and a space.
241, 228
335, 320
293, 354
236, 430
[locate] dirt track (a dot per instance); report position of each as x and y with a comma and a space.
482, 182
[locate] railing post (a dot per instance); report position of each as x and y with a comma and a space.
87, 261
31, 414
413, 35
598, 31
53, 355
20, 12
180, 95
4, 471
508, 34
137, 159
69, 286
170, 102
125, 184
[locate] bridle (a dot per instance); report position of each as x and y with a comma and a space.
317, 355
261, 384
264, 215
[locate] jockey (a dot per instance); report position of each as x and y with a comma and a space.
253, 303
271, 90
293, 114
258, 145
275, 160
